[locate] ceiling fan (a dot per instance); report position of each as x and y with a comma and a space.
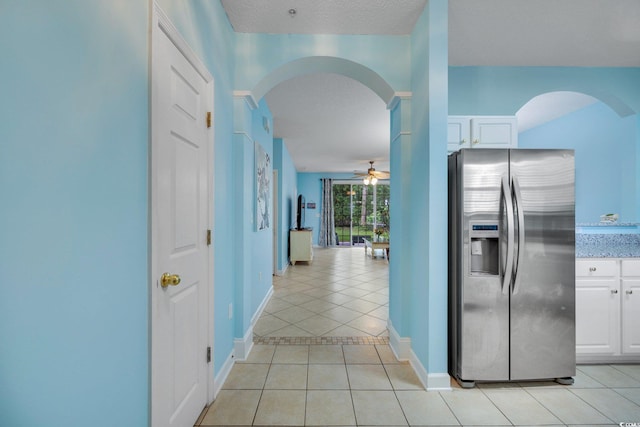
371, 176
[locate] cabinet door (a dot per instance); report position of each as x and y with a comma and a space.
597, 316
631, 316
300, 241
459, 133
494, 132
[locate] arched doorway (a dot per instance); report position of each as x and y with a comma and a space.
339, 71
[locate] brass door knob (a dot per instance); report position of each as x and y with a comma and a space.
169, 280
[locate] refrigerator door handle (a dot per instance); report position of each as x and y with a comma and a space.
520, 212
508, 267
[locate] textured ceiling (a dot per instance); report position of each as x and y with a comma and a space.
330, 123
334, 124
590, 33
324, 16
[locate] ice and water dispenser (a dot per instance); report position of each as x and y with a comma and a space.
485, 254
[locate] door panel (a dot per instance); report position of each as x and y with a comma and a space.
180, 218
597, 316
543, 303
484, 312
630, 316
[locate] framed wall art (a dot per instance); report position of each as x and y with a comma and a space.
263, 188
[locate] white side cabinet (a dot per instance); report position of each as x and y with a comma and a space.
606, 311
300, 246
482, 132
630, 306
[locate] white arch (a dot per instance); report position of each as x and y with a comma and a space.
612, 101
325, 64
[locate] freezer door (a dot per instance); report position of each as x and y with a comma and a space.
543, 292
483, 344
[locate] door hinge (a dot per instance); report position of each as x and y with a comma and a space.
208, 354
208, 237
208, 119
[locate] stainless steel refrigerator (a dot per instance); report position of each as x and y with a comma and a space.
511, 265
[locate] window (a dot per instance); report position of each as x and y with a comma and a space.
360, 211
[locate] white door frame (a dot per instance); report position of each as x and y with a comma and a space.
161, 23
275, 221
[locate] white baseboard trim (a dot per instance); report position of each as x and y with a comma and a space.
281, 272
401, 347
439, 382
261, 307
431, 382
586, 359
219, 379
242, 346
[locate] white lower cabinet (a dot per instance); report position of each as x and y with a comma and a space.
300, 246
630, 306
607, 310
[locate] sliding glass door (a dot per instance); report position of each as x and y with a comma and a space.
361, 211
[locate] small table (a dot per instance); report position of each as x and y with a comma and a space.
373, 244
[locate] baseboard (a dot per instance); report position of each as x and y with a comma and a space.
585, 359
219, 379
261, 307
242, 346
439, 382
282, 272
431, 382
401, 347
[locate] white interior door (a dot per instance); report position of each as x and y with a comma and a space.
181, 201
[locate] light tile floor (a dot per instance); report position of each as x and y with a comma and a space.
341, 293
295, 382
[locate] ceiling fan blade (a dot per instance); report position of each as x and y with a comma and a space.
381, 174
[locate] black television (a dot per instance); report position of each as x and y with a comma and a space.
300, 213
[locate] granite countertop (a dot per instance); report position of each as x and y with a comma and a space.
607, 245
607, 224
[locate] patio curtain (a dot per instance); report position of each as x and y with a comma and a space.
327, 224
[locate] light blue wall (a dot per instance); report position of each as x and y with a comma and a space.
74, 216
503, 90
265, 60
287, 185
259, 55
428, 206
400, 229
606, 157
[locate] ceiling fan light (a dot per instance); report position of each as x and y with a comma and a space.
374, 180
366, 181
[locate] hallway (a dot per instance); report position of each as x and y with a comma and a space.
305, 368
341, 293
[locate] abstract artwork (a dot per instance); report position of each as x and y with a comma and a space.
263, 188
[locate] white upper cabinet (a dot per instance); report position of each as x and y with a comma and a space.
459, 133
482, 132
